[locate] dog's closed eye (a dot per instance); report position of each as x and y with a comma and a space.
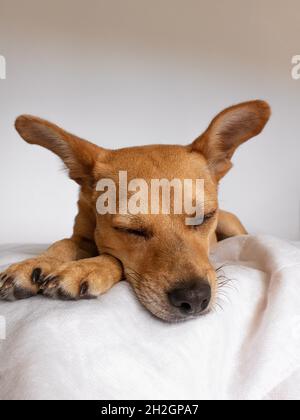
142, 233
207, 218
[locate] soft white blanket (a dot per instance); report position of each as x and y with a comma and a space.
112, 348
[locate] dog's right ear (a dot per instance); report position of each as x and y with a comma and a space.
78, 155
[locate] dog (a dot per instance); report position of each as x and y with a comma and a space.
165, 261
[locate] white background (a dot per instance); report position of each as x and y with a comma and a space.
130, 72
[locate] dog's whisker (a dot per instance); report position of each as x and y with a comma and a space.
221, 267
225, 296
217, 305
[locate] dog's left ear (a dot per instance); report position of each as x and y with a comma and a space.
78, 155
228, 131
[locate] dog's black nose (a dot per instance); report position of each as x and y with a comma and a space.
191, 298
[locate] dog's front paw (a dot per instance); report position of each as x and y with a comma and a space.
23, 280
76, 280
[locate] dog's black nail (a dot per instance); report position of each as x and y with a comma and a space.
36, 275
47, 281
84, 289
3, 277
8, 282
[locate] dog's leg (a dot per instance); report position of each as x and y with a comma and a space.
70, 264
64, 271
84, 279
228, 226
22, 280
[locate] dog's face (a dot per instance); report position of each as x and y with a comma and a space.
165, 259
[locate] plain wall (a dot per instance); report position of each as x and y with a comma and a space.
130, 72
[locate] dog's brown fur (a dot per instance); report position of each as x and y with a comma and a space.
104, 249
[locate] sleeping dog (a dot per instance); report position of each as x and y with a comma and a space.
164, 259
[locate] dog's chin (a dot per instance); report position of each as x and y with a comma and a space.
171, 316
161, 309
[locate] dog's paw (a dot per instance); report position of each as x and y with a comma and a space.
23, 280
76, 280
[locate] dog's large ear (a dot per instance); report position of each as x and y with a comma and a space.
228, 131
78, 155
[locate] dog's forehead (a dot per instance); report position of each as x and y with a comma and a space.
151, 162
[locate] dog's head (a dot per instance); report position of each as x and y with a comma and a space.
165, 259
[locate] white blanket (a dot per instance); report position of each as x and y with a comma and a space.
112, 348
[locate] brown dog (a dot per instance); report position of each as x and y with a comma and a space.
166, 261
